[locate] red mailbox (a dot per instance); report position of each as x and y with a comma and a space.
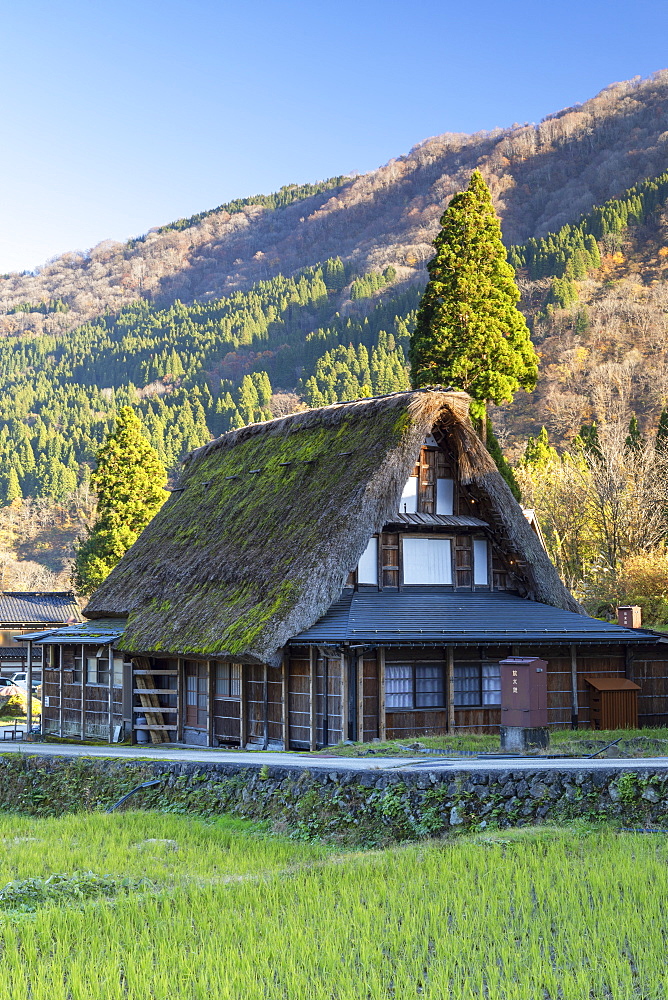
523, 692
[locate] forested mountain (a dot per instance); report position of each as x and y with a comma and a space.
541, 177
308, 296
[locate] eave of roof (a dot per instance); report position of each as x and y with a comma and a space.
104, 630
417, 616
34, 608
437, 520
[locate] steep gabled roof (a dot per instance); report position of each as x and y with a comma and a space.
268, 520
37, 608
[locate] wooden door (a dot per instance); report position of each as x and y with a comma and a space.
328, 701
197, 694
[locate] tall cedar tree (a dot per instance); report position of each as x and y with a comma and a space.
469, 332
129, 480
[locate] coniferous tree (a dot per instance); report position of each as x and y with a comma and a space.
469, 331
538, 452
661, 443
634, 439
12, 487
129, 480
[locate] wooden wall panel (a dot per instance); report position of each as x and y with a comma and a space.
298, 699
369, 666
255, 702
416, 723
328, 700
648, 670
275, 692
226, 721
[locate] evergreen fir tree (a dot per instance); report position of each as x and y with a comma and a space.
634, 439
129, 480
588, 441
12, 487
469, 332
539, 453
661, 442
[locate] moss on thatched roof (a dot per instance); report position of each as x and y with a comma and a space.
269, 519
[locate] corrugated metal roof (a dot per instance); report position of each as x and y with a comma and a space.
417, 615
438, 520
99, 630
36, 608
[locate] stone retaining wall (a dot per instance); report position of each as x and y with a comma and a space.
370, 806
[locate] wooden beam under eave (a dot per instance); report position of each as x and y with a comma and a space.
574, 688
179, 699
84, 675
243, 710
211, 673
345, 693
285, 694
29, 690
312, 676
110, 689
450, 686
382, 720
360, 697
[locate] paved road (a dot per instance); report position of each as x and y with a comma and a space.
314, 761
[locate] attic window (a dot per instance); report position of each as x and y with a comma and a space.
445, 496
367, 568
480, 563
427, 561
408, 502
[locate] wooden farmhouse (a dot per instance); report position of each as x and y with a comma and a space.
352, 572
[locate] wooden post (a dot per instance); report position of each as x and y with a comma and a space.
84, 674
313, 658
243, 715
382, 717
345, 707
628, 662
574, 688
360, 697
179, 699
265, 699
60, 691
29, 691
450, 686
285, 695
211, 673
111, 693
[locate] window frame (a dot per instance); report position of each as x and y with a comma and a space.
430, 538
480, 663
414, 664
231, 684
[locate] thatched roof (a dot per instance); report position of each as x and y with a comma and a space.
257, 543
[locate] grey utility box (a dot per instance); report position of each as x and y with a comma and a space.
523, 703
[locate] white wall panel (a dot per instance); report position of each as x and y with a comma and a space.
408, 502
480, 557
367, 568
445, 496
427, 560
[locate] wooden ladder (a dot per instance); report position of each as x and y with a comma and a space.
150, 701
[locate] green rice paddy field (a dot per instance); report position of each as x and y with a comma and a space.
148, 906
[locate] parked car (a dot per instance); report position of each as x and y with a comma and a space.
21, 680
6, 682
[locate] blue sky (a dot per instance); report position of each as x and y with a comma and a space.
119, 116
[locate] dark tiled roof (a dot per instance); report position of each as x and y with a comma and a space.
100, 630
37, 609
445, 617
